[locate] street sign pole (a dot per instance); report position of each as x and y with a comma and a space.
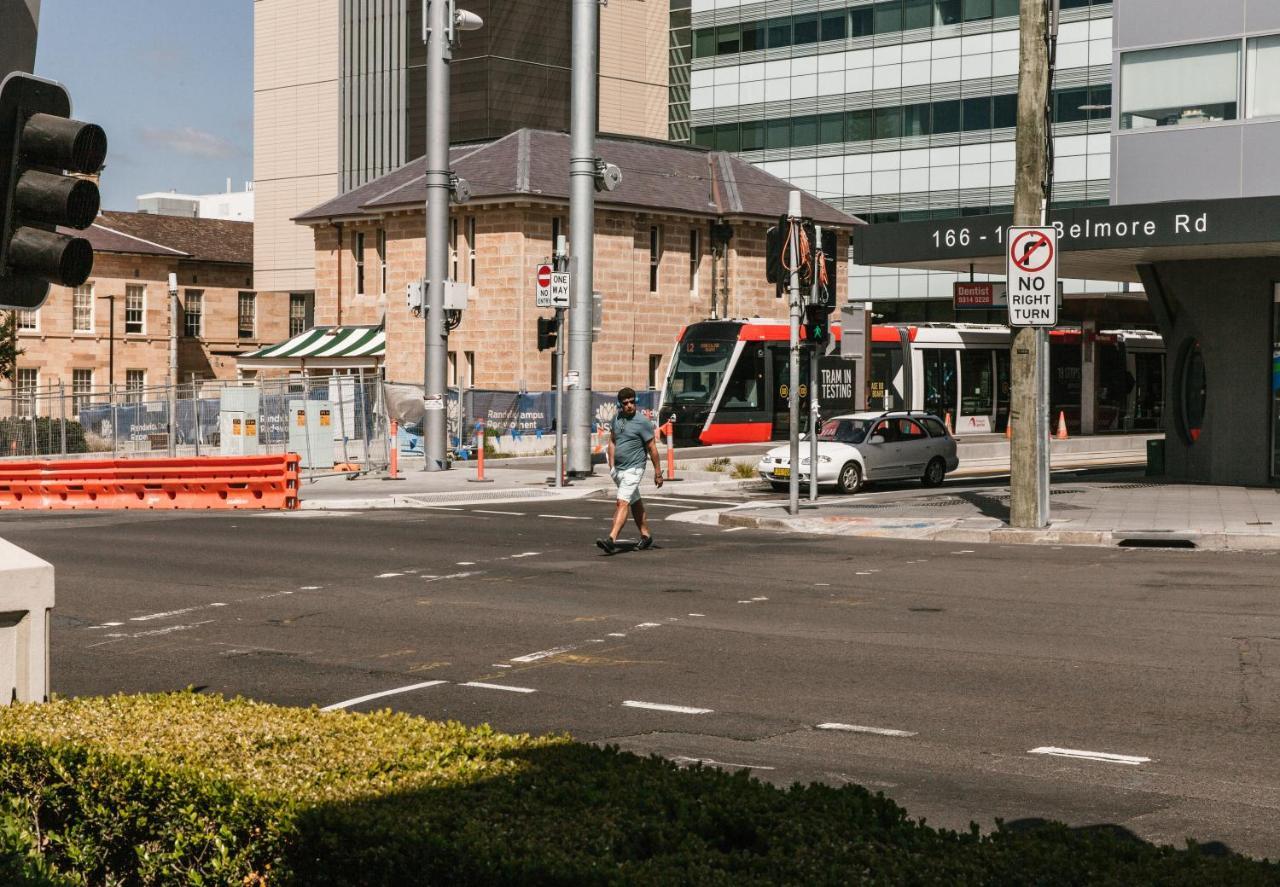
561, 262
793, 390
815, 298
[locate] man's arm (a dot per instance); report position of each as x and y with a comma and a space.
657, 463
609, 450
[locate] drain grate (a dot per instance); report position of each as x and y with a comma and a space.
1133, 486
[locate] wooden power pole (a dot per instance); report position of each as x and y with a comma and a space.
1028, 409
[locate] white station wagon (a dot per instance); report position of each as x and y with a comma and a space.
860, 447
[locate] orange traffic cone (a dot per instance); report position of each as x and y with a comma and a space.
1008, 429
1062, 426
950, 428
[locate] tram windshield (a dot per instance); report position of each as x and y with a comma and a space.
850, 431
699, 368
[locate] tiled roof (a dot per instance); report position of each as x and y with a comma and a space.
209, 240
534, 163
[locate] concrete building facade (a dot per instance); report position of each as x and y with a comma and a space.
114, 330
681, 240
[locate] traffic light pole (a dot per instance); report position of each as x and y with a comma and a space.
435, 425
815, 299
582, 185
561, 262
793, 390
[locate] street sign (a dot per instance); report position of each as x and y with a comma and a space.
1032, 271
979, 295
542, 280
560, 289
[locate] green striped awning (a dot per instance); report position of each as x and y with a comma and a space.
326, 343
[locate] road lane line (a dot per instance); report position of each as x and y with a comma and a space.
734, 529
350, 702
463, 575
525, 554
159, 631
684, 759
653, 504
858, 728
565, 516
543, 654
387, 575
1104, 757
484, 686
658, 706
505, 513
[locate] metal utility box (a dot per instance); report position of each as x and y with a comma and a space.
238, 417
311, 432
26, 602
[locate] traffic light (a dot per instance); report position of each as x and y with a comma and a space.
546, 333
817, 325
39, 144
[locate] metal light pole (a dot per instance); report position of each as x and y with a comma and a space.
440, 21
582, 184
793, 392
19, 20
1028, 408
173, 364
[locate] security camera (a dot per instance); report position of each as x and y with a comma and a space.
608, 176
467, 21
460, 189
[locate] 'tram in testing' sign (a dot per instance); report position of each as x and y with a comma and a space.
1032, 272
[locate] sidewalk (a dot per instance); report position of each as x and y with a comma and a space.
1130, 512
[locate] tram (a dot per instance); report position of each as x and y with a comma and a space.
727, 379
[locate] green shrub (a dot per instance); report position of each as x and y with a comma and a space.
743, 470
16, 436
189, 789
719, 463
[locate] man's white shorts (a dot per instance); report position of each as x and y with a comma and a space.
628, 481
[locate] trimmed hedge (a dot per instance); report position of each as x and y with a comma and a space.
15, 434
190, 789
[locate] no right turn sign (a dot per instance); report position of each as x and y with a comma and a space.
1032, 272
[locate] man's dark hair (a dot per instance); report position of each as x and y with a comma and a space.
626, 394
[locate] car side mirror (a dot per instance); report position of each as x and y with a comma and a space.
877, 437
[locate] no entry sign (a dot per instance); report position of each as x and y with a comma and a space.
1032, 271
552, 287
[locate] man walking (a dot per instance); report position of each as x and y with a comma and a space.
630, 440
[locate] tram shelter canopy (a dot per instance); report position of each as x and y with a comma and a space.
1094, 243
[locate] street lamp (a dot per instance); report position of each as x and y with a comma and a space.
441, 21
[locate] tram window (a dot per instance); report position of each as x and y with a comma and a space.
939, 380
936, 428
700, 366
742, 392
1115, 382
978, 381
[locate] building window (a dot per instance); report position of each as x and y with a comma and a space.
382, 260
655, 255
695, 261
471, 368
655, 365
358, 250
1262, 77
82, 309
135, 309
193, 314
471, 249
29, 319
134, 382
557, 228
26, 382
81, 389
1179, 86
453, 249
299, 313
453, 369
247, 316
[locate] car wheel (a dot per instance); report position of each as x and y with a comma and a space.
934, 472
850, 479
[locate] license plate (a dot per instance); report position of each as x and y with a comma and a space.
782, 472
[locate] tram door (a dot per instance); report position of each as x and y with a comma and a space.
939, 381
780, 386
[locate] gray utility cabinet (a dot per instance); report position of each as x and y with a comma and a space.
238, 416
311, 432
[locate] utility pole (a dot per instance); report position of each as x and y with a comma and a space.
560, 261
815, 298
793, 387
582, 185
1029, 409
440, 21
19, 20
173, 362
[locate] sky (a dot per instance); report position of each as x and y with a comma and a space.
171, 81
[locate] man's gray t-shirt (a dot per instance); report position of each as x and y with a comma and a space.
630, 440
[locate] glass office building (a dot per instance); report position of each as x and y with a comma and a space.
899, 110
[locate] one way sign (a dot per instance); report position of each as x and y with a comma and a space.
1032, 271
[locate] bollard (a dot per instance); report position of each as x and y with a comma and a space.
393, 454
669, 431
479, 478
26, 599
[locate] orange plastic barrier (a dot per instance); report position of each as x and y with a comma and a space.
207, 482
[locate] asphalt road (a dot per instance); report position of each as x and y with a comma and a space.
936, 673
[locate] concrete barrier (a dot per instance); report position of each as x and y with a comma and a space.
26, 601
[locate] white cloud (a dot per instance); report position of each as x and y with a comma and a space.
191, 141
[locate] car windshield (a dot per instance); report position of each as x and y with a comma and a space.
700, 365
850, 431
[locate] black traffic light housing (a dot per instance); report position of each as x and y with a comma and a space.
776, 258
817, 325
39, 144
546, 333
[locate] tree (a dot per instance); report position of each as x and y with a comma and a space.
9, 350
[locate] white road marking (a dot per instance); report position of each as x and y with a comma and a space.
965, 551
759, 598
863, 573
350, 702
682, 759
462, 575
441, 507
310, 587
858, 728
565, 516
543, 654
387, 575
653, 504
734, 529
506, 513
822, 585
617, 634
184, 611
158, 631
658, 706
466, 564
649, 625
697, 614
500, 665
107, 625
1105, 757
484, 686
525, 554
